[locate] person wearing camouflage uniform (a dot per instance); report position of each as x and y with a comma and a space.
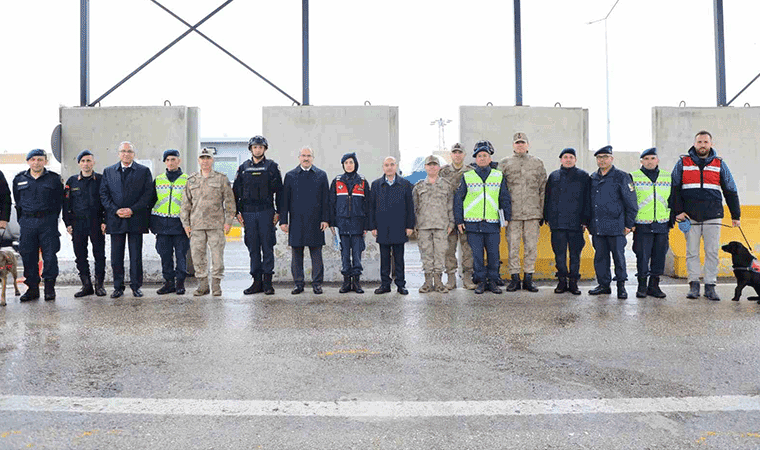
453, 174
208, 208
434, 209
526, 179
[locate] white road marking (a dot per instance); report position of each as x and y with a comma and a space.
399, 409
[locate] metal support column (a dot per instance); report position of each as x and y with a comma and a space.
305, 17
84, 52
518, 57
720, 55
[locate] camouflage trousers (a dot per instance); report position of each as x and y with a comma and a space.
433, 245
451, 252
526, 231
203, 241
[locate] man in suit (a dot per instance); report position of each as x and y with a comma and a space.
126, 192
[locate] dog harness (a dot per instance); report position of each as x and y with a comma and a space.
754, 267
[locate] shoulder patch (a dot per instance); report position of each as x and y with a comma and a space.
630, 186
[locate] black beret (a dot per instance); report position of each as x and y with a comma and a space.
606, 150
170, 152
567, 150
35, 152
82, 154
649, 151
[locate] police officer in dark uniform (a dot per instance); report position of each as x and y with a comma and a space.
613, 212
85, 218
5, 208
257, 188
39, 197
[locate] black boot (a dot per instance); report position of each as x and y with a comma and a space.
492, 286
49, 290
601, 289
346, 286
166, 288
527, 284
180, 287
355, 286
32, 293
693, 289
266, 284
561, 285
87, 288
481, 287
573, 287
710, 293
100, 291
255, 287
641, 291
654, 288
514, 283
621, 292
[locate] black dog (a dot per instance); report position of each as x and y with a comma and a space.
742, 261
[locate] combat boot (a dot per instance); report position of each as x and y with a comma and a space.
49, 290
621, 292
87, 288
355, 286
100, 291
451, 280
180, 287
216, 287
694, 289
167, 287
438, 284
255, 287
266, 283
32, 293
572, 286
467, 281
492, 286
480, 288
514, 283
641, 291
202, 287
561, 285
346, 286
709, 292
528, 283
428, 285
601, 289
654, 288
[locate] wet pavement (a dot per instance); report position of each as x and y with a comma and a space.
371, 352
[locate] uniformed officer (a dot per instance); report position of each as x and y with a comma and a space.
613, 211
453, 173
257, 189
478, 199
5, 206
85, 218
39, 198
171, 241
433, 208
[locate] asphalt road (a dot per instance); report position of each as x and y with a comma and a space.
336, 371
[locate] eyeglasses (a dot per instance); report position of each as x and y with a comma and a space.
126, 151
307, 156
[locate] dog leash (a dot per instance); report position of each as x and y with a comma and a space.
749, 247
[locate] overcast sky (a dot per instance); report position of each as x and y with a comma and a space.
425, 57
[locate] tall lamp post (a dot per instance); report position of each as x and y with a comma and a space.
607, 65
441, 139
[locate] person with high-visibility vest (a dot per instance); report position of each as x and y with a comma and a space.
481, 194
698, 180
653, 223
165, 223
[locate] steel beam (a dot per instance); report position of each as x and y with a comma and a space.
305, 63
720, 55
518, 56
84, 52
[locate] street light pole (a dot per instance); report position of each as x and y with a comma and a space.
441, 139
607, 66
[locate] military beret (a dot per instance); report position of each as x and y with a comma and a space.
170, 152
82, 154
35, 152
567, 150
649, 151
606, 150
432, 159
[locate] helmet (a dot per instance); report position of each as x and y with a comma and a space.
483, 146
258, 140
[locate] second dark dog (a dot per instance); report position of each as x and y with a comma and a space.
746, 275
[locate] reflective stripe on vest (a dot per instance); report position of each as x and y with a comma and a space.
694, 178
169, 196
482, 199
652, 197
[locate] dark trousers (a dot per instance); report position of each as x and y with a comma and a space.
83, 230
398, 264
651, 250
351, 248
169, 248
39, 233
490, 243
562, 240
260, 240
603, 247
317, 268
135, 260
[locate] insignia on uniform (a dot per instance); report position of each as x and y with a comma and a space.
630, 186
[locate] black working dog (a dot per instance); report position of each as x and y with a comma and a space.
742, 261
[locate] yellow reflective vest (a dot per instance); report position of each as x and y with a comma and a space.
169, 195
652, 197
482, 200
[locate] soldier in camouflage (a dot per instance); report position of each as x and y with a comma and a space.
434, 209
208, 208
453, 174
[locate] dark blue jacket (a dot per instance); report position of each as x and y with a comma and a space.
82, 199
304, 205
391, 210
165, 225
41, 196
704, 204
613, 203
505, 203
257, 186
567, 199
132, 190
5, 199
349, 203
